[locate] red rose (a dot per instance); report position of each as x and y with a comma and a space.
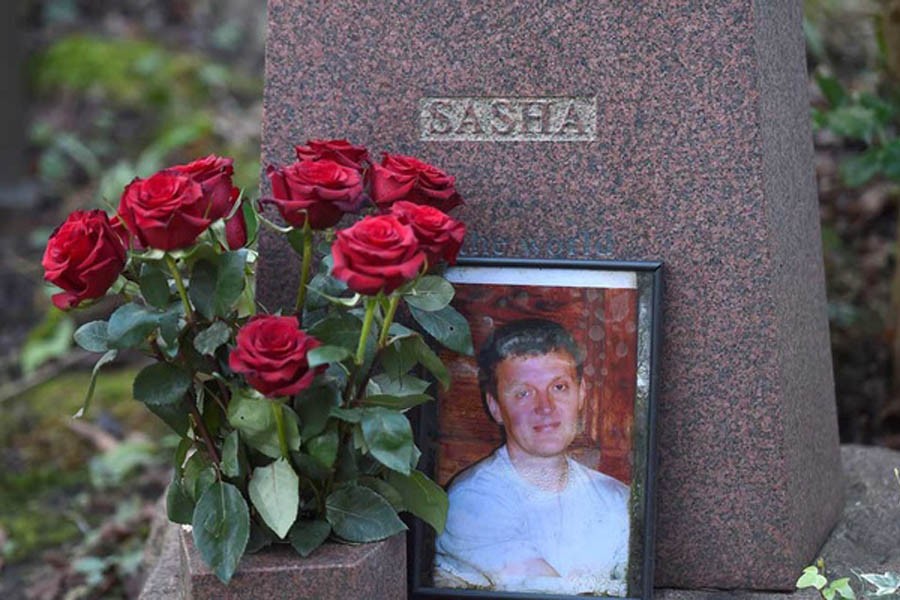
340, 151
84, 256
439, 235
166, 211
214, 174
321, 190
377, 254
236, 226
271, 355
407, 178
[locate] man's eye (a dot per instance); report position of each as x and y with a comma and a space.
561, 387
521, 394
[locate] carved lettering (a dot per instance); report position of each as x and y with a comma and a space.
502, 114
547, 119
571, 119
441, 118
470, 123
535, 113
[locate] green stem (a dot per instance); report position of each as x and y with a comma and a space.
388, 319
366, 328
304, 268
279, 423
179, 283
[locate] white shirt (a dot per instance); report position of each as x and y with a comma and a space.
497, 519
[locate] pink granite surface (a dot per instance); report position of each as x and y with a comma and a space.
374, 571
703, 159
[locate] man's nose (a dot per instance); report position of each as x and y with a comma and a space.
543, 403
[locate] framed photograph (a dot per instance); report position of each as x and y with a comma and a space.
545, 439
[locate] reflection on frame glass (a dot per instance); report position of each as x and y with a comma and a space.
544, 440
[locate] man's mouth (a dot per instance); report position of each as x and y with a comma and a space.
545, 427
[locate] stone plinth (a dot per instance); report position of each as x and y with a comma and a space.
333, 572
697, 153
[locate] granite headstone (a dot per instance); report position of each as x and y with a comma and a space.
672, 131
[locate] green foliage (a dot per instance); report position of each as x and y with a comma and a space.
357, 514
813, 577
221, 528
52, 338
274, 492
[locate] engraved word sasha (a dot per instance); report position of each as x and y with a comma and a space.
554, 119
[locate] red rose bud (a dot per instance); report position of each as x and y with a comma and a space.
377, 254
321, 190
214, 174
236, 226
407, 178
340, 151
166, 211
84, 256
271, 355
440, 236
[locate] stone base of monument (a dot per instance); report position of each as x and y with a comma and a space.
865, 540
373, 571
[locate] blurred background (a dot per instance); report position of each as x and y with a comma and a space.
95, 92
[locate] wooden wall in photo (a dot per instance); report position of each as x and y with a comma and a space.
602, 321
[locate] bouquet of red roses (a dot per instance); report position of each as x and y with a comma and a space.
292, 426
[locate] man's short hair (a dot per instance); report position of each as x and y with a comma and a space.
524, 337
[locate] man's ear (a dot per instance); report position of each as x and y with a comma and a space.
582, 394
494, 408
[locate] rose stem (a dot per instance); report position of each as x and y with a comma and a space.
279, 423
304, 268
388, 319
179, 283
201, 427
366, 328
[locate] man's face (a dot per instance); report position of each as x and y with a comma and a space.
538, 402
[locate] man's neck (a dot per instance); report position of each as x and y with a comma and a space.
550, 473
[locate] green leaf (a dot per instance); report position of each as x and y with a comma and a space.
857, 170
324, 447
842, 588
306, 536
886, 584
309, 467
231, 464
447, 326
92, 336
357, 514
338, 330
199, 474
430, 293
397, 402
208, 340
202, 291
432, 362
399, 356
161, 384
275, 492
853, 121
230, 280
832, 89
130, 325
154, 282
811, 578
52, 338
173, 415
326, 354
179, 506
256, 422
251, 221
385, 490
389, 437
406, 385
89, 395
295, 238
221, 528
422, 497
350, 415
314, 405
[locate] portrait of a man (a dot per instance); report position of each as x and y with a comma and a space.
529, 517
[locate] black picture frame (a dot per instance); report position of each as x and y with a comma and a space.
649, 282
